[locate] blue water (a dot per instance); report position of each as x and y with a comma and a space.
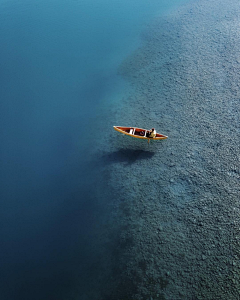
58, 65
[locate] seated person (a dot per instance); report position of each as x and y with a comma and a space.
152, 133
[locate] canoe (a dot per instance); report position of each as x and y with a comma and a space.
139, 133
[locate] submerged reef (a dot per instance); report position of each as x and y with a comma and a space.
178, 209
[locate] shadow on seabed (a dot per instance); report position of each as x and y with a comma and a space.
129, 156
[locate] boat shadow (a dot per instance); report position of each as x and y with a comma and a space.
128, 156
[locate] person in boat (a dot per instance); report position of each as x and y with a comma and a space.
152, 133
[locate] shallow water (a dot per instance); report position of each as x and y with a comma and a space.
59, 74
183, 203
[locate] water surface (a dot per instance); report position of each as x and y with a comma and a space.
59, 62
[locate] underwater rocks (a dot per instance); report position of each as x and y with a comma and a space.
178, 208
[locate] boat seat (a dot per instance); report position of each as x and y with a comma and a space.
131, 131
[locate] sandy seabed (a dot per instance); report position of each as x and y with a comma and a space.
175, 212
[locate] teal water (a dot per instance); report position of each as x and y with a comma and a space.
58, 62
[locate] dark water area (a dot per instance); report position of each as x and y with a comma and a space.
58, 68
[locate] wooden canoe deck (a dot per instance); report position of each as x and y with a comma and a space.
138, 133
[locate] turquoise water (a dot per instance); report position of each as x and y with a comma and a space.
59, 64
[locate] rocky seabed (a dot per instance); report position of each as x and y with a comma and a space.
176, 207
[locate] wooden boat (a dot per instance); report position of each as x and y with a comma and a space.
139, 133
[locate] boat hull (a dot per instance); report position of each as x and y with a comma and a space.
139, 133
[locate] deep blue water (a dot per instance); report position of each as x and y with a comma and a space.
58, 64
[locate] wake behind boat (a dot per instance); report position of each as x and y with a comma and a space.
139, 133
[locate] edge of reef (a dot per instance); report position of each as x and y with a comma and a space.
173, 230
